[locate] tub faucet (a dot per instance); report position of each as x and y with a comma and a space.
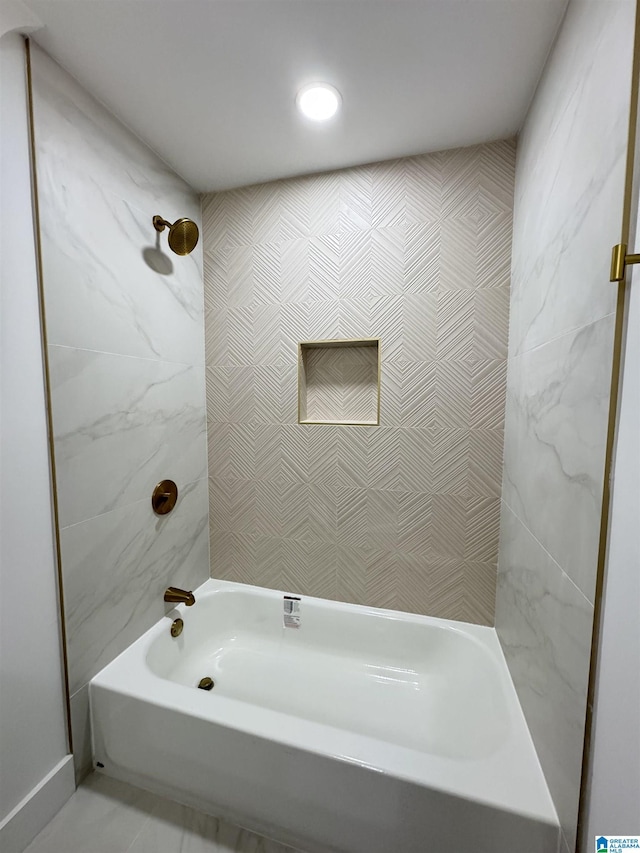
174, 595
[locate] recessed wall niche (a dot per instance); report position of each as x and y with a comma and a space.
339, 382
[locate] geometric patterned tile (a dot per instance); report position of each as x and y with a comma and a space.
382, 578
356, 198
323, 453
266, 273
323, 282
308, 512
448, 526
387, 260
232, 451
482, 529
416, 456
485, 461
422, 264
453, 394
348, 453
459, 253
419, 327
324, 196
309, 568
491, 323
493, 266
423, 188
488, 391
479, 592
418, 395
455, 317
450, 467
417, 253
416, 525
351, 573
352, 517
383, 458
354, 278
295, 270
388, 196
461, 175
232, 503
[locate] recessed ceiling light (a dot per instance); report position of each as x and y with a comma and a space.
318, 101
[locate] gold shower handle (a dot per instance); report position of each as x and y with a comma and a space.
620, 260
164, 497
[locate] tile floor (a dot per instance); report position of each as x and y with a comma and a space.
106, 816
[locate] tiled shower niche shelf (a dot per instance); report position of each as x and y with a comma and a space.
339, 382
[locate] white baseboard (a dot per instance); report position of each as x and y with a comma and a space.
34, 812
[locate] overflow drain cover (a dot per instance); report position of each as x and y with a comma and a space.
206, 683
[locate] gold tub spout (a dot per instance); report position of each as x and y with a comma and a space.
174, 595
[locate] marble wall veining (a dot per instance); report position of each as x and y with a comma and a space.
126, 352
415, 252
567, 214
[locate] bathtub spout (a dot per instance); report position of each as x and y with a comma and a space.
174, 595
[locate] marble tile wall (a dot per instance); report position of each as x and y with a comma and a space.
125, 335
415, 252
567, 215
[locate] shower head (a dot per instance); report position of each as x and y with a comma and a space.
183, 234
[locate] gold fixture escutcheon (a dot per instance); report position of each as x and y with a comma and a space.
206, 683
176, 627
164, 497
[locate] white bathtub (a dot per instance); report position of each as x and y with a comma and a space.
361, 731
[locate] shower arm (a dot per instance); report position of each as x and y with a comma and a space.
160, 224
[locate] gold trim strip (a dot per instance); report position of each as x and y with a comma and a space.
337, 343
341, 423
47, 384
627, 215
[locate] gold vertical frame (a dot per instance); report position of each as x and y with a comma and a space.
47, 385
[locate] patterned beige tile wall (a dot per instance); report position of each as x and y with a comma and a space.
416, 252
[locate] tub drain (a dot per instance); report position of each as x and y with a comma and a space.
206, 683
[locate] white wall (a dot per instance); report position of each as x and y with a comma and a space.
614, 796
33, 741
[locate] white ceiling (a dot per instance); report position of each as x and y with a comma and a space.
210, 84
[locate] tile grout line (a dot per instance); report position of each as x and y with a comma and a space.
191, 364
546, 552
143, 825
128, 505
572, 331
